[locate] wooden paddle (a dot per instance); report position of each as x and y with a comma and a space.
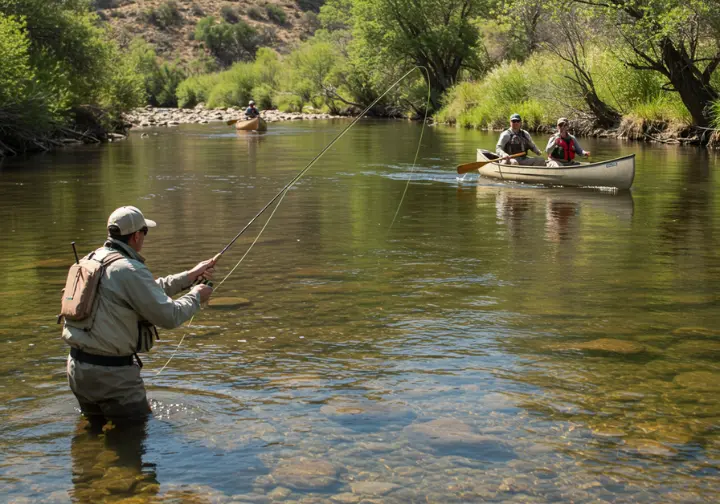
230, 123
468, 167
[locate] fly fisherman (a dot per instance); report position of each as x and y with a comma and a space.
103, 368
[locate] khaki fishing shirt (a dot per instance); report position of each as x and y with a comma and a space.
128, 302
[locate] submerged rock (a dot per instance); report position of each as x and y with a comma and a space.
695, 332
699, 380
609, 345
649, 447
449, 436
702, 349
303, 474
228, 303
373, 487
368, 416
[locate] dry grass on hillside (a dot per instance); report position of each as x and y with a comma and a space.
169, 24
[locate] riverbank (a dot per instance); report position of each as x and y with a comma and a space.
641, 130
148, 117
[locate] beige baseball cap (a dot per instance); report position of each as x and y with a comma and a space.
129, 219
562, 120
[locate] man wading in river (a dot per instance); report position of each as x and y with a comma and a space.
119, 317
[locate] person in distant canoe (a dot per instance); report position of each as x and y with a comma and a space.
515, 140
562, 147
251, 112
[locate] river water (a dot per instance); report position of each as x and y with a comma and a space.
495, 343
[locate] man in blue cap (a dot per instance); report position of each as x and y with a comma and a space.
515, 140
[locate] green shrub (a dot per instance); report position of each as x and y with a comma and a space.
195, 90
228, 13
165, 16
275, 14
160, 79
196, 10
310, 5
255, 13
263, 96
228, 42
234, 88
511, 88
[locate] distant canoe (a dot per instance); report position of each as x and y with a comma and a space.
256, 124
618, 173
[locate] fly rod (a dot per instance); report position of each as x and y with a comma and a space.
311, 163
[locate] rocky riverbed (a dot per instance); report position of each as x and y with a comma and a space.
152, 117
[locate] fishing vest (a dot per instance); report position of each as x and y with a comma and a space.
564, 149
518, 142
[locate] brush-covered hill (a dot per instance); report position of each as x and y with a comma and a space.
169, 25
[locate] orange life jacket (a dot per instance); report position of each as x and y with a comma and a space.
564, 149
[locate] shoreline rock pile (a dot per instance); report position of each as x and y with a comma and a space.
149, 116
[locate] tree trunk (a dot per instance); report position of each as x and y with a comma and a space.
696, 94
605, 115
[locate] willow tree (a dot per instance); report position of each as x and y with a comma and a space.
436, 34
677, 38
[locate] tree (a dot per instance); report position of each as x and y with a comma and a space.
677, 38
436, 34
569, 42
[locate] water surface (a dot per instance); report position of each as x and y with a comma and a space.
497, 343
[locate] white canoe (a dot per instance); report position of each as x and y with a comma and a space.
618, 173
256, 124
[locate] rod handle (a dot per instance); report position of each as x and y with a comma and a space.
77, 259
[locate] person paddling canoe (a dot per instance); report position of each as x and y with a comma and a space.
251, 112
515, 140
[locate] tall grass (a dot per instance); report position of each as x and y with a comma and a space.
510, 88
539, 90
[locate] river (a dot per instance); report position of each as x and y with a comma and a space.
492, 343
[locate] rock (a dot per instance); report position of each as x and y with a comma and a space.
346, 498
304, 474
609, 345
373, 487
228, 302
450, 436
280, 493
649, 447
705, 381
696, 332
702, 349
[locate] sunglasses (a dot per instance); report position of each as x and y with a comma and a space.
144, 230
515, 120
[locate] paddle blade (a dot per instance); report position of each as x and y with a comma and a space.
230, 123
468, 167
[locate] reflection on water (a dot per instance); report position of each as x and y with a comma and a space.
498, 343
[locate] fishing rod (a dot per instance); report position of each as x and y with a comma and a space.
283, 192
312, 162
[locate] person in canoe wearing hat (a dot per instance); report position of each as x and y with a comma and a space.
251, 112
515, 140
562, 147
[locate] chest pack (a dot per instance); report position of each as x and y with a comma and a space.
81, 286
517, 143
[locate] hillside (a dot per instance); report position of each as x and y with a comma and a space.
169, 25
